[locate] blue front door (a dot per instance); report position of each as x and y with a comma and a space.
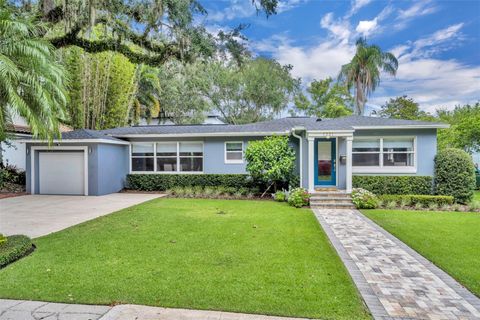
325, 164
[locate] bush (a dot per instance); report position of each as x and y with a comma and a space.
162, 182
413, 199
211, 192
454, 174
3, 239
394, 184
364, 199
271, 161
11, 174
280, 196
15, 248
298, 198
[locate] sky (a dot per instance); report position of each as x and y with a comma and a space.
437, 43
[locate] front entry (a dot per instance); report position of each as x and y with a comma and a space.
325, 164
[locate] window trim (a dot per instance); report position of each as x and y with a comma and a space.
381, 168
177, 157
227, 161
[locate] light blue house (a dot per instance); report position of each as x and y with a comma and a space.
329, 152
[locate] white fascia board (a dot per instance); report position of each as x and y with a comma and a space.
410, 126
106, 141
212, 134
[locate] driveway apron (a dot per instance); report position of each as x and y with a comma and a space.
394, 280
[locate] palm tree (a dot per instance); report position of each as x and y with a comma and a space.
32, 82
363, 72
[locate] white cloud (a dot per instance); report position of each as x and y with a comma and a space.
367, 27
237, 9
339, 28
420, 8
357, 5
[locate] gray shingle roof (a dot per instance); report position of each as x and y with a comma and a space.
272, 126
86, 134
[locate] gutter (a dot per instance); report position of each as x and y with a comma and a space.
301, 150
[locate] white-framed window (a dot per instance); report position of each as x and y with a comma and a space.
384, 154
234, 152
167, 157
143, 158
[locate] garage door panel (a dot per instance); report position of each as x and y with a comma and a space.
61, 173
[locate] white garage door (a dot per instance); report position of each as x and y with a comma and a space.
61, 173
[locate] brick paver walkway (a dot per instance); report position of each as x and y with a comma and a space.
394, 280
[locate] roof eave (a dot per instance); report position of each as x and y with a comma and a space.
407, 126
191, 135
104, 141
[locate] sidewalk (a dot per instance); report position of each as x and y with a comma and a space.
35, 310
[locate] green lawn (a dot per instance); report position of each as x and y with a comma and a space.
244, 256
451, 240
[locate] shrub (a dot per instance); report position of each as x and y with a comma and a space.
280, 196
454, 174
271, 161
364, 199
162, 182
15, 248
413, 199
11, 174
394, 184
3, 239
298, 198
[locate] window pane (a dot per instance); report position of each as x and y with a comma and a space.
191, 149
234, 155
191, 164
364, 145
366, 159
167, 164
398, 159
167, 149
142, 149
398, 144
234, 146
142, 164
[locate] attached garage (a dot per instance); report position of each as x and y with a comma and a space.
62, 172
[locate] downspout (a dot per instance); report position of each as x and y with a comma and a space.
301, 151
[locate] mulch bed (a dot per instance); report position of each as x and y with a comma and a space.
4, 195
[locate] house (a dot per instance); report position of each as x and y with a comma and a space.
12, 151
329, 152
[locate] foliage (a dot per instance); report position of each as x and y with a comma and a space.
280, 196
180, 96
213, 192
3, 239
454, 174
364, 199
254, 91
162, 182
413, 199
402, 108
147, 31
298, 198
14, 248
394, 184
11, 174
363, 72
270, 161
464, 131
328, 99
103, 88
146, 104
32, 81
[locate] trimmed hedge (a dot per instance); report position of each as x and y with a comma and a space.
15, 248
162, 182
413, 199
455, 174
394, 184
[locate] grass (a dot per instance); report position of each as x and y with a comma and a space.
451, 240
242, 256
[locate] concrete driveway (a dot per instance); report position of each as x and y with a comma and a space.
38, 215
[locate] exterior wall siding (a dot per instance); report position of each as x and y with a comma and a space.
107, 167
